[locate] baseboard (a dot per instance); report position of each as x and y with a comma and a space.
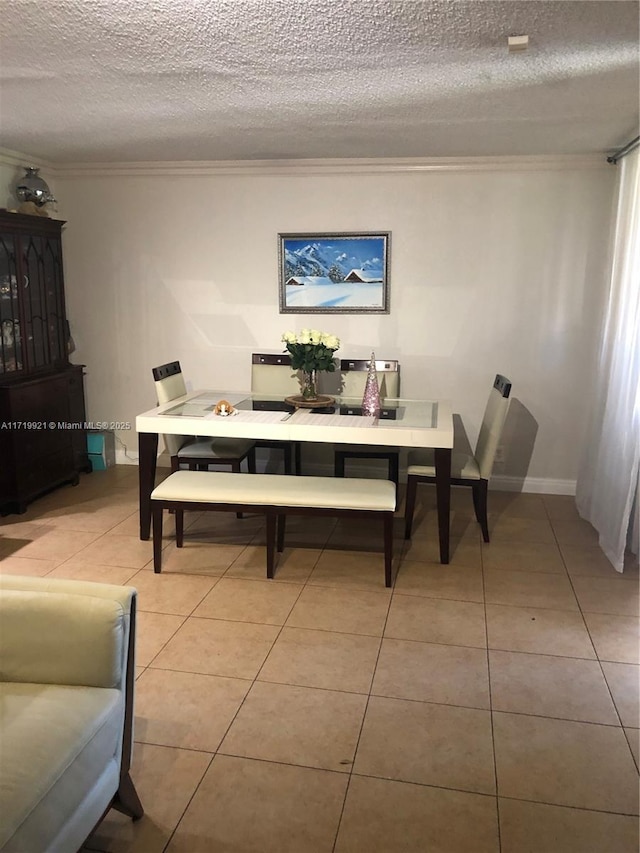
531, 485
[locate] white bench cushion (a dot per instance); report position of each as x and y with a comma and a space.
277, 490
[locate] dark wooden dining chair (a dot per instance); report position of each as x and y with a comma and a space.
467, 469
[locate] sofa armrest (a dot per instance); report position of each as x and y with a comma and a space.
64, 632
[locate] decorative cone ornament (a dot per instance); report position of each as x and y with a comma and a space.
371, 399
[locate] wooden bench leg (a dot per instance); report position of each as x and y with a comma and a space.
388, 548
282, 520
179, 528
156, 515
271, 543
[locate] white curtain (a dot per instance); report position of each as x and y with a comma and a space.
608, 479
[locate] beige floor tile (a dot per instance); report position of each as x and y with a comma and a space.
542, 557
113, 550
452, 675
359, 570
168, 593
239, 600
99, 514
510, 529
20, 525
249, 806
153, 631
542, 663
548, 686
15, 535
359, 534
434, 580
624, 682
600, 595
616, 638
590, 561
297, 725
350, 611
224, 528
165, 780
440, 745
26, 566
540, 828
294, 565
633, 739
463, 527
567, 763
575, 532
381, 816
323, 659
216, 647
129, 527
561, 507
78, 569
432, 620
201, 558
529, 589
50, 543
518, 505
423, 550
303, 532
546, 632
186, 709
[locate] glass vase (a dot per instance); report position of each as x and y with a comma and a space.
309, 385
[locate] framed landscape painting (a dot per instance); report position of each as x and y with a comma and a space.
344, 273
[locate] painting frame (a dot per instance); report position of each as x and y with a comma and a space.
318, 272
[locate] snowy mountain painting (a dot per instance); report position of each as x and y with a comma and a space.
329, 273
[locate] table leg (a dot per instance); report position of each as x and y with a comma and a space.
147, 454
443, 497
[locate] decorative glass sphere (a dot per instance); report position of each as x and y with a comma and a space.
31, 187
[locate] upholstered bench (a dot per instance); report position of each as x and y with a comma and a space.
275, 496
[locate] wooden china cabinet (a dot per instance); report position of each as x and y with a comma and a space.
42, 412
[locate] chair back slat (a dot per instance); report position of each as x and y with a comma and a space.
492, 425
169, 382
272, 374
354, 377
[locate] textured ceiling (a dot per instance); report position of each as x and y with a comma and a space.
113, 81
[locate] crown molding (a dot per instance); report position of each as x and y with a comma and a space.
306, 168
20, 160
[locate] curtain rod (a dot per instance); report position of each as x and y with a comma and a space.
627, 149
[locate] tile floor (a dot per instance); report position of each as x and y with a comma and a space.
489, 705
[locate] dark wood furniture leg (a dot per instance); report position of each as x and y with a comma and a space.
388, 548
147, 453
126, 799
271, 544
443, 498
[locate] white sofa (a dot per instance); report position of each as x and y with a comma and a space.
66, 710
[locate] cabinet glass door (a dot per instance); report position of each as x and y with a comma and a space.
11, 353
44, 339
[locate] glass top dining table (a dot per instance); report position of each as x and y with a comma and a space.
401, 423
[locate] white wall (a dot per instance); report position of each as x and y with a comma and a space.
499, 270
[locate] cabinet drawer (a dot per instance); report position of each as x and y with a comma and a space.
31, 445
48, 471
